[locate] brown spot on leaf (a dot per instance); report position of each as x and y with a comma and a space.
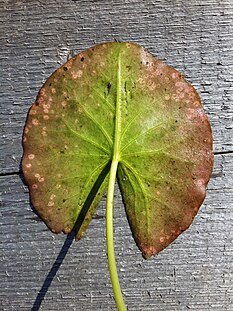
35, 122
31, 156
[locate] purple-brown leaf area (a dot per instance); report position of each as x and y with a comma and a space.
179, 159
165, 143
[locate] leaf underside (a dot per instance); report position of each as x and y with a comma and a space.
164, 138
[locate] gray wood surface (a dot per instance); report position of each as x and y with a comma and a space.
196, 271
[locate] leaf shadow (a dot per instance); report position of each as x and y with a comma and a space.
70, 237
53, 271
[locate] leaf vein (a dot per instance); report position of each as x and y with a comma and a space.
105, 99
145, 195
142, 134
90, 141
97, 124
128, 126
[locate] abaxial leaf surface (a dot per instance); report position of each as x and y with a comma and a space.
117, 94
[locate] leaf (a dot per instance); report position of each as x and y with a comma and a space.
118, 95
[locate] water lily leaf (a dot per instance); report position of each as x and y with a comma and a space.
163, 136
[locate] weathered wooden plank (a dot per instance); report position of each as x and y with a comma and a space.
194, 273
37, 36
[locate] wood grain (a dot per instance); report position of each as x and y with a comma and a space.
196, 271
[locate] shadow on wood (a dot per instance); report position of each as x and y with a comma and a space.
53, 271
70, 238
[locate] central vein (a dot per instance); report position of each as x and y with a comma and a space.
110, 197
117, 132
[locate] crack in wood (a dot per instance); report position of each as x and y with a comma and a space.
223, 152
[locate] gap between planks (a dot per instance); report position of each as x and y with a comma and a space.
20, 172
